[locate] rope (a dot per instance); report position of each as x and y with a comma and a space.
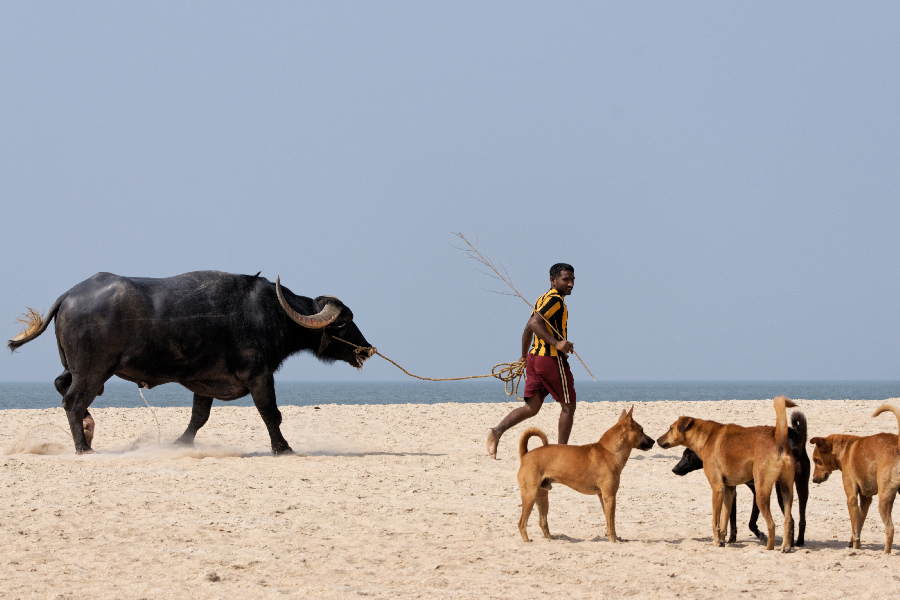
153, 412
509, 373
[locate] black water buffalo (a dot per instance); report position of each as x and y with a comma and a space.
217, 334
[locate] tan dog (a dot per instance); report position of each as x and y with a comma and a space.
89, 426
869, 465
589, 469
733, 455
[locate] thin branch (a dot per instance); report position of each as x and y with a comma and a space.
474, 254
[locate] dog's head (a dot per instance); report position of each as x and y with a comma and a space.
689, 463
824, 459
675, 435
633, 433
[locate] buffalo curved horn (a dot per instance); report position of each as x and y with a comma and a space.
323, 318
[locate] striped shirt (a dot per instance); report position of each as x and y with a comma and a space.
552, 306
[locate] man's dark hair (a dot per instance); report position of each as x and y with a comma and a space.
558, 268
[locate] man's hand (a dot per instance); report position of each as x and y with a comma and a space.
521, 360
564, 346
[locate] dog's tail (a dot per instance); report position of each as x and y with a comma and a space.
35, 324
527, 435
798, 422
781, 427
896, 411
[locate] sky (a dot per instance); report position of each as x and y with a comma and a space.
725, 177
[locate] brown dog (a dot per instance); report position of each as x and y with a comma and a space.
589, 469
733, 455
89, 426
869, 465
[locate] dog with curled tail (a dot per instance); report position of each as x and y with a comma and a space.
869, 466
589, 469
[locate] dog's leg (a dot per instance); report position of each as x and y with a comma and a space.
732, 537
608, 501
543, 504
853, 509
885, 506
864, 503
754, 516
802, 497
603, 506
528, 499
763, 500
718, 535
728, 499
786, 486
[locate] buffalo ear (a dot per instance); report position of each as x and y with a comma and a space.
821, 443
685, 424
326, 341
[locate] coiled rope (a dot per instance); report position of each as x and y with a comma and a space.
509, 373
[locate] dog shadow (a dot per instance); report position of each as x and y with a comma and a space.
362, 454
841, 545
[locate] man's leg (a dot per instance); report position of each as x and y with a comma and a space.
566, 418
531, 408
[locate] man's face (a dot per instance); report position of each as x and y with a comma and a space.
563, 283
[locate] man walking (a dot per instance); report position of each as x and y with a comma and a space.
546, 364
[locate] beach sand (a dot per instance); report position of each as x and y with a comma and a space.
396, 501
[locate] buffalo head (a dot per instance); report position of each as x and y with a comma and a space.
335, 320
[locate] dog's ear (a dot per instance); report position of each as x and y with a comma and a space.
685, 423
821, 443
622, 416
631, 412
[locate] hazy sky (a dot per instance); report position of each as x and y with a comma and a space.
725, 177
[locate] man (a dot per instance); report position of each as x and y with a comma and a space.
546, 365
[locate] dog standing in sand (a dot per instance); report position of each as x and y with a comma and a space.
869, 466
733, 455
589, 469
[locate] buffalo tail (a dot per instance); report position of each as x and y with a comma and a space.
35, 324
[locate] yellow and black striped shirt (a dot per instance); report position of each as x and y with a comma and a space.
552, 306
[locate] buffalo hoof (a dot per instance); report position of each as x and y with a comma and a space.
286, 451
183, 441
84, 451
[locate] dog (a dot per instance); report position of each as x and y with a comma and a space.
797, 440
869, 465
733, 455
89, 426
589, 469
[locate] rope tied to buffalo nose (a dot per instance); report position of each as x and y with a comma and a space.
510, 374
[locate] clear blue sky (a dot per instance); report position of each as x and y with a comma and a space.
725, 177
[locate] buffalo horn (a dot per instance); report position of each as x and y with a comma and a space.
321, 319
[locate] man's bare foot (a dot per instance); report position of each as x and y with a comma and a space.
492, 441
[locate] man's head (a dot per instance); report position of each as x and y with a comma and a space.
562, 278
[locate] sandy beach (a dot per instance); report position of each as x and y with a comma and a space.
395, 501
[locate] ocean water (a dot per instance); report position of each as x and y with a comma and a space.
119, 393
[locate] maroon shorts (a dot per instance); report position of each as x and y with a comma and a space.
549, 375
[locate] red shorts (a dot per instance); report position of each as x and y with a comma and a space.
549, 375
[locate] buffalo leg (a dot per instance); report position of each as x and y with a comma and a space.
199, 417
76, 400
262, 390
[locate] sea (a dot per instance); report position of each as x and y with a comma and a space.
122, 394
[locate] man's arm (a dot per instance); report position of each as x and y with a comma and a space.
537, 326
526, 340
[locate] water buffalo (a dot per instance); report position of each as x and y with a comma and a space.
217, 334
